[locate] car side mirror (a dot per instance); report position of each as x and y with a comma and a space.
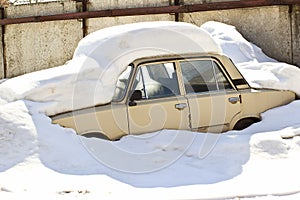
136, 95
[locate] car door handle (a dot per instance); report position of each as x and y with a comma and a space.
180, 106
234, 100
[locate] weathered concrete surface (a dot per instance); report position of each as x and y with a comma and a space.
99, 23
36, 46
267, 27
100, 4
296, 34
50, 8
204, 1
2, 75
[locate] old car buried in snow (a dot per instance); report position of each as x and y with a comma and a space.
184, 88
202, 92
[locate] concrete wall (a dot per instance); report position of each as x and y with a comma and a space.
34, 46
98, 23
296, 35
267, 27
31, 47
100, 4
2, 74
50, 8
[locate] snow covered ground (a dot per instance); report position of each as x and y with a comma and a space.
42, 160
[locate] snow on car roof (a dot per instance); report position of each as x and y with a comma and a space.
164, 37
113, 49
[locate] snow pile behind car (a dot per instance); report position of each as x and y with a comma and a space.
90, 77
257, 68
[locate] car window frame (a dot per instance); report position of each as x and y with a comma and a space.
137, 68
176, 59
219, 65
126, 89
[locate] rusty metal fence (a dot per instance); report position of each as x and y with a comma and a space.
174, 7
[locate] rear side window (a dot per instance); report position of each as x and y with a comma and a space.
122, 84
203, 76
157, 80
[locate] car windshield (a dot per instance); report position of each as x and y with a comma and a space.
122, 84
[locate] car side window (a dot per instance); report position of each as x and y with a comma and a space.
222, 81
203, 76
157, 80
122, 84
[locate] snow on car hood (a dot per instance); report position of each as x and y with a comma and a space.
90, 77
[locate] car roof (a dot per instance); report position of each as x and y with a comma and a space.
183, 56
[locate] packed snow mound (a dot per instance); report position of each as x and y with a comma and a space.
205, 163
233, 44
276, 75
98, 61
16, 128
145, 39
258, 69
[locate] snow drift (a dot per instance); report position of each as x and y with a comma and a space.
258, 69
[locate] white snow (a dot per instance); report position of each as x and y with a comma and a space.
259, 69
98, 61
40, 160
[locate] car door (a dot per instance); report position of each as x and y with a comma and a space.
161, 105
212, 98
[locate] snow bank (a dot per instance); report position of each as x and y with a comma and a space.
17, 134
252, 163
258, 69
154, 38
255, 162
99, 59
233, 44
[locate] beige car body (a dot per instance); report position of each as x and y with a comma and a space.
214, 111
